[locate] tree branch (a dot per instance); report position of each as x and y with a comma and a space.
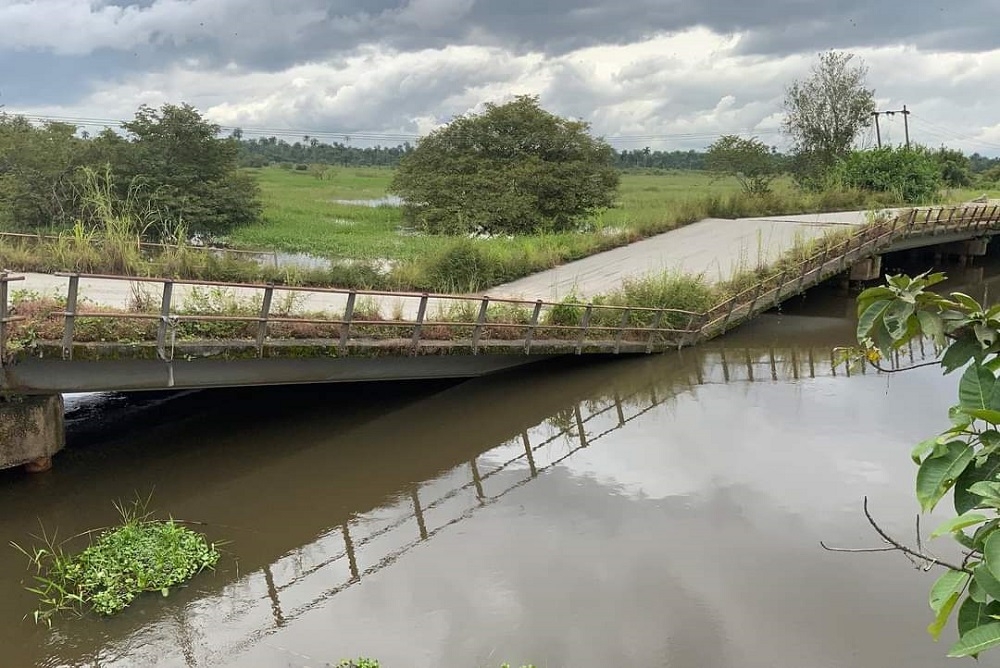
895, 545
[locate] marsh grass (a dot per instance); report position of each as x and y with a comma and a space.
138, 555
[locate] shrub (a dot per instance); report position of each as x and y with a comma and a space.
912, 174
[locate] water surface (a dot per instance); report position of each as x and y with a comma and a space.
662, 511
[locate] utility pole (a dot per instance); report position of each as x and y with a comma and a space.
906, 123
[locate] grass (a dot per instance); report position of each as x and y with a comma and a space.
302, 215
137, 556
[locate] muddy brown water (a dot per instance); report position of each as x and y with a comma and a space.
662, 511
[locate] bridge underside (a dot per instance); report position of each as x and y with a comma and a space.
51, 376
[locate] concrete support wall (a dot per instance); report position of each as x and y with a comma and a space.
32, 429
867, 270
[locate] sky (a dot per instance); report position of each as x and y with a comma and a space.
669, 74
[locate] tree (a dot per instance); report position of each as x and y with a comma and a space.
190, 173
825, 113
750, 161
38, 185
963, 460
954, 166
514, 169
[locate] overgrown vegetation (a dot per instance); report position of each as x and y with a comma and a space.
911, 175
139, 555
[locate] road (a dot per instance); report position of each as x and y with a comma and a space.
714, 248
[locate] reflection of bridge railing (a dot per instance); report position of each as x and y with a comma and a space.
348, 553
467, 324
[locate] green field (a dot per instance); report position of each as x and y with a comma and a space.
301, 213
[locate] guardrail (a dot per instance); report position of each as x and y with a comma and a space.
483, 323
795, 277
477, 322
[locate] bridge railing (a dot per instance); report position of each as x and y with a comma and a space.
265, 314
262, 315
834, 255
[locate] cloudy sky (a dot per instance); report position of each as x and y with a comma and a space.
663, 73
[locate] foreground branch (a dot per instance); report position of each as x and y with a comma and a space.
895, 546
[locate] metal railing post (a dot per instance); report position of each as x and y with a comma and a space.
584, 324
626, 314
345, 328
161, 330
421, 312
70, 321
477, 331
653, 331
3, 316
265, 311
530, 335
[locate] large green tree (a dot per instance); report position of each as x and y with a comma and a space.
189, 173
825, 113
514, 169
38, 163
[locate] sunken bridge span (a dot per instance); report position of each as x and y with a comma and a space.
272, 335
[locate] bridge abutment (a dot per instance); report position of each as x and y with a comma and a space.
869, 269
32, 430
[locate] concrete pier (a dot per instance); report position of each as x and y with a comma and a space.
32, 430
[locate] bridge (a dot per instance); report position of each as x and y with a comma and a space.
191, 334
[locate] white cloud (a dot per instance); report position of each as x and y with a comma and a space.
670, 90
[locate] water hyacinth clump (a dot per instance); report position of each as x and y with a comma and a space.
139, 555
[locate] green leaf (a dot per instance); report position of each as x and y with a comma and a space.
985, 414
976, 640
987, 490
867, 297
935, 627
987, 471
974, 613
959, 416
950, 582
967, 301
977, 594
975, 390
896, 318
959, 353
986, 580
931, 325
991, 554
958, 523
937, 474
922, 449
987, 336
872, 315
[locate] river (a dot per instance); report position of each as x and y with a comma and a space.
662, 511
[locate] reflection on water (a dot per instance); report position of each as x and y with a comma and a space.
652, 512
